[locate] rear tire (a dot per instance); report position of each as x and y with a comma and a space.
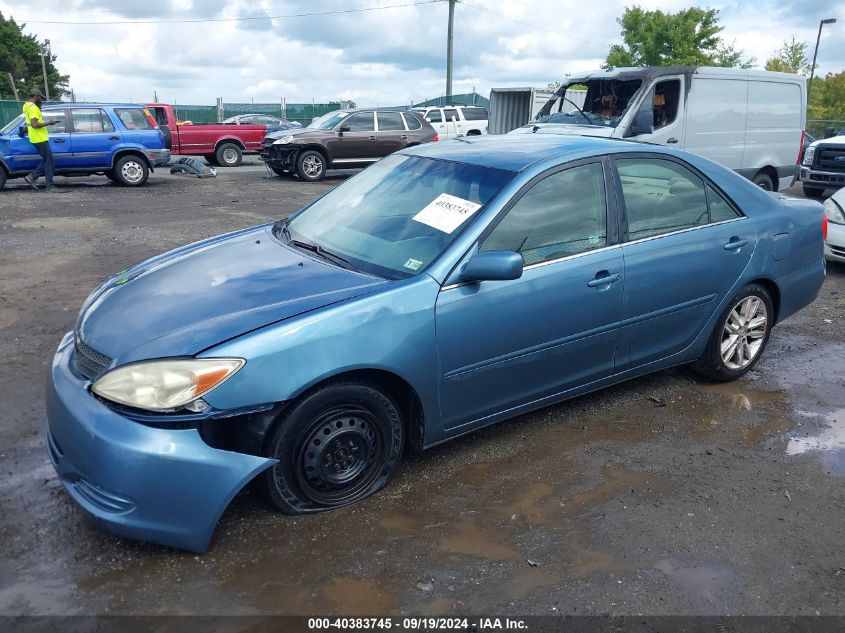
228, 155
812, 192
131, 171
311, 165
337, 445
740, 335
764, 181
2, 177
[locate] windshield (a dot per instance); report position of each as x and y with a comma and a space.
13, 125
397, 216
328, 121
600, 102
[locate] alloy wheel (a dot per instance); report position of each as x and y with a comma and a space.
312, 166
744, 333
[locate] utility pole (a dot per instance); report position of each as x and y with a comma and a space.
815, 54
449, 48
14, 88
44, 68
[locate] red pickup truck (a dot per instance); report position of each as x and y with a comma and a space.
218, 143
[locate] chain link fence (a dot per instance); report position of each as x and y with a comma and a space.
820, 128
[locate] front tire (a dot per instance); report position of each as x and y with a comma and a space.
228, 155
311, 165
337, 445
740, 335
131, 171
812, 192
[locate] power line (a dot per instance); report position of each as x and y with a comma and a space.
241, 19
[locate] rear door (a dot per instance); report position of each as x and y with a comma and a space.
435, 117
391, 134
452, 122
685, 246
93, 138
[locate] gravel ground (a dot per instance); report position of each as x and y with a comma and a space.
727, 500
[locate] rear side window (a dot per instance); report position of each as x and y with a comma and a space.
475, 114
388, 121
660, 197
133, 118
90, 121
412, 121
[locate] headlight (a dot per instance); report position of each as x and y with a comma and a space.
165, 385
808, 156
283, 141
833, 211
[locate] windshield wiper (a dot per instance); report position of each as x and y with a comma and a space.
583, 114
316, 249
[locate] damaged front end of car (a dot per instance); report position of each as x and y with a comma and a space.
279, 152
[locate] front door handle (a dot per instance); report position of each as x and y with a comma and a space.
404, 137
672, 140
58, 140
372, 138
604, 278
736, 243
114, 138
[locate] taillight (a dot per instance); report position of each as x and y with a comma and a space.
801, 148
436, 137
824, 228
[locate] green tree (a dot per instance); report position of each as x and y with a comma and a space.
20, 55
688, 37
827, 98
790, 58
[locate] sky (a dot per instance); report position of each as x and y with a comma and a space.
390, 53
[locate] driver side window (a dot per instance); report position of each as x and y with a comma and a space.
563, 214
360, 122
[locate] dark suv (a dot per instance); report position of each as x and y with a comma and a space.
343, 139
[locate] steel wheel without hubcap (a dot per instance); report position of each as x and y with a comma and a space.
230, 156
744, 333
340, 456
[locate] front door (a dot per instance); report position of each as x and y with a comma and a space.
22, 156
665, 100
358, 142
93, 138
505, 343
686, 247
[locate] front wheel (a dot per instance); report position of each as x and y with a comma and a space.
2, 177
311, 165
228, 155
131, 171
812, 192
279, 171
336, 446
740, 335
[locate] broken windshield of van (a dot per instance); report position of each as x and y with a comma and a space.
601, 102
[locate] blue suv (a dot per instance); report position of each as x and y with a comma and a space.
121, 141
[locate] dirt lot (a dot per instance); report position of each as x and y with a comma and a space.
665, 495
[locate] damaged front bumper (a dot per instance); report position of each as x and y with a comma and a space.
279, 157
159, 485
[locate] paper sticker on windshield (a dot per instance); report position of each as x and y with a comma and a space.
413, 264
446, 213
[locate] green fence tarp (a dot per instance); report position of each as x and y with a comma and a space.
9, 110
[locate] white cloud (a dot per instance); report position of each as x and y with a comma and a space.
388, 57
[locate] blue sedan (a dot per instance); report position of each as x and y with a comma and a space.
441, 290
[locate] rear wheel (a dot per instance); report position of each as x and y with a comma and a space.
228, 155
131, 171
740, 335
311, 165
764, 181
336, 446
812, 192
2, 177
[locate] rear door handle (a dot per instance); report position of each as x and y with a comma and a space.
114, 138
604, 278
672, 140
736, 243
372, 138
404, 137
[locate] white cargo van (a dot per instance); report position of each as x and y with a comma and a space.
751, 121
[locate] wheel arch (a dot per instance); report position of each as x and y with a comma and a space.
131, 152
774, 292
235, 141
399, 389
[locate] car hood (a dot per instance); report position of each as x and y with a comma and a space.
192, 298
298, 131
839, 140
564, 128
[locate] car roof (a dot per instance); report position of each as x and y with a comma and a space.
84, 104
515, 152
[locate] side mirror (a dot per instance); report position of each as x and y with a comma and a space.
829, 132
493, 266
22, 131
643, 123
344, 128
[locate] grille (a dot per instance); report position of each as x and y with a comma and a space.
830, 158
89, 362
